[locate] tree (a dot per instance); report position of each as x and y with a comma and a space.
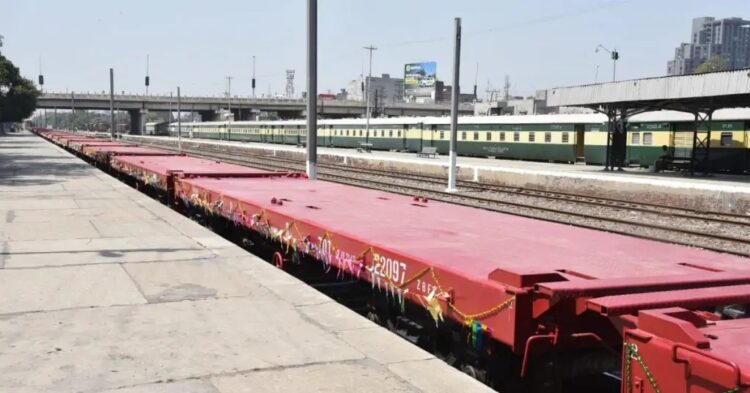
17, 94
713, 64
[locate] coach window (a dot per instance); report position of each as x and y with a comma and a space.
565, 137
648, 138
476, 136
442, 135
635, 138
463, 135
532, 137
399, 133
516, 136
547, 137
360, 132
390, 133
726, 139
489, 136
502, 136
382, 132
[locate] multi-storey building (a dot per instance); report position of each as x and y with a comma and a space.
728, 38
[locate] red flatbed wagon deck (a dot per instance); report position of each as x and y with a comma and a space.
479, 265
160, 171
78, 145
102, 154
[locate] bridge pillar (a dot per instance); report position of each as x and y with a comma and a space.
209, 115
136, 121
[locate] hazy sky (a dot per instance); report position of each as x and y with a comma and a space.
195, 44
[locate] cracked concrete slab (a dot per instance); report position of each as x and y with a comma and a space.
37, 253
192, 280
98, 348
334, 317
185, 386
383, 346
65, 287
421, 374
367, 377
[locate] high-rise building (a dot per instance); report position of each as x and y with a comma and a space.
384, 90
728, 38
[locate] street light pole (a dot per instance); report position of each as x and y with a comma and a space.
179, 121
615, 55
229, 94
454, 107
367, 93
253, 84
112, 103
312, 89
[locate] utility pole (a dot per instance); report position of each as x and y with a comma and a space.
144, 111
476, 79
596, 75
148, 79
253, 83
312, 89
614, 55
41, 88
112, 103
454, 106
169, 118
179, 121
73, 108
367, 94
229, 93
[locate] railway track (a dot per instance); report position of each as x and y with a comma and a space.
721, 232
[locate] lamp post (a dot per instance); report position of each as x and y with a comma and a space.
367, 93
615, 55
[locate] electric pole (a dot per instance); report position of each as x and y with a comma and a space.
112, 103
253, 82
367, 93
454, 106
179, 121
148, 79
312, 89
229, 94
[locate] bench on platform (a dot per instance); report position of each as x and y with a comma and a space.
365, 147
428, 151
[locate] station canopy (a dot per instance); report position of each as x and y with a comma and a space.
689, 93
699, 94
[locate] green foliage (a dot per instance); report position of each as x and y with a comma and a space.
81, 120
713, 64
17, 94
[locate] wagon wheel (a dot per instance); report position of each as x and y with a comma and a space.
278, 260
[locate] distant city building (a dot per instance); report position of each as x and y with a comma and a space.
728, 38
384, 90
444, 94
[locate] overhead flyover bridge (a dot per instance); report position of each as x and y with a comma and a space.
698, 94
242, 108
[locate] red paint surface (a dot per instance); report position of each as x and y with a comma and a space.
162, 165
471, 241
125, 150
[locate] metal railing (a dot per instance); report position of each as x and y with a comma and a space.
239, 100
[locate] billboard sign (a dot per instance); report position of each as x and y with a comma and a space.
419, 79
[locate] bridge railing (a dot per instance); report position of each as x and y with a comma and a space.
237, 100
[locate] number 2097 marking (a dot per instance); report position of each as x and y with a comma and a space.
391, 269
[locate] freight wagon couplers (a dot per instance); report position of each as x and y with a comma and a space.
664, 343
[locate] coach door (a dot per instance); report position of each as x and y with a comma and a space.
580, 142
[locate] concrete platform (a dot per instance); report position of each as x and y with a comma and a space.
723, 193
106, 290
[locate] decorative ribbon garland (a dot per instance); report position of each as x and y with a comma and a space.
355, 265
631, 352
